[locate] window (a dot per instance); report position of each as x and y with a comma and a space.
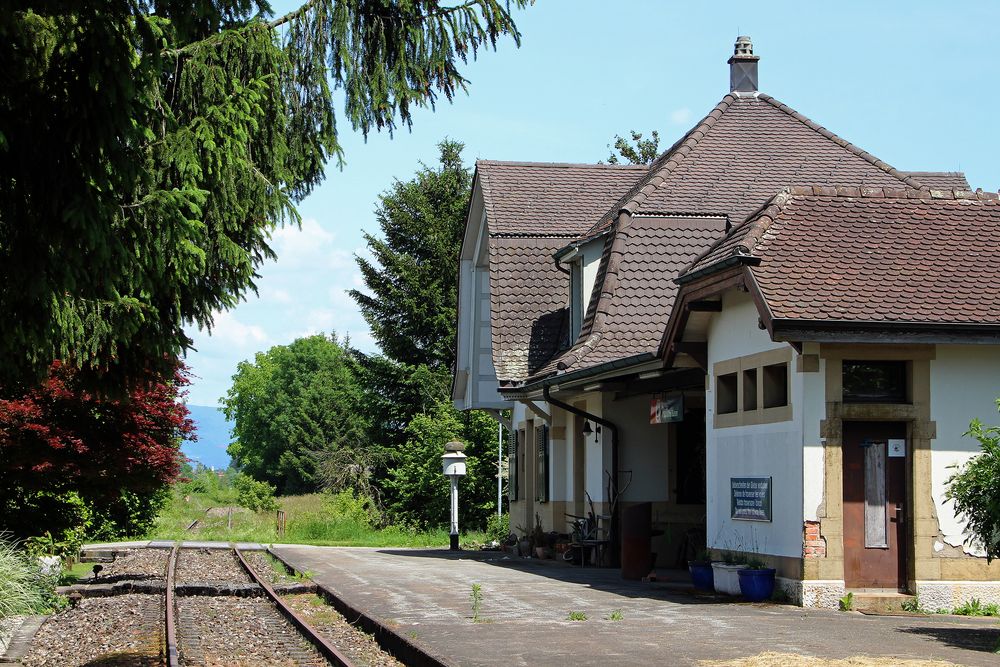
575, 300
754, 389
875, 381
750, 389
726, 392
775, 383
513, 469
542, 464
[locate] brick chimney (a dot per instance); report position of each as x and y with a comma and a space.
743, 67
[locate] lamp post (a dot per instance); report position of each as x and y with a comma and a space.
453, 465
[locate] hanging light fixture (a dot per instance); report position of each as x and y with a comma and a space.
587, 429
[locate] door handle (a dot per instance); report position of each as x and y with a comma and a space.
899, 518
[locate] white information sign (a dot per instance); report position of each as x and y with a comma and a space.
897, 448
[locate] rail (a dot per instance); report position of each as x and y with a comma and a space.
173, 656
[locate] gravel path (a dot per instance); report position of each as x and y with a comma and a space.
209, 566
137, 564
239, 632
125, 630
8, 626
359, 646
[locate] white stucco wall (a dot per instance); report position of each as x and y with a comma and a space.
766, 450
811, 396
644, 448
965, 383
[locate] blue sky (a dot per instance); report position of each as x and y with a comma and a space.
911, 82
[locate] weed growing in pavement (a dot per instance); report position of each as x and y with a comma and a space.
477, 601
847, 602
576, 616
974, 607
913, 606
616, 615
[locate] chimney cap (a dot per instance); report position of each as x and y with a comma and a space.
743, 49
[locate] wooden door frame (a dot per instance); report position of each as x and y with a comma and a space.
921, 563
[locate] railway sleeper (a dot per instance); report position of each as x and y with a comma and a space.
212, 589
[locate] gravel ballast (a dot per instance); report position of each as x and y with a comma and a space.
125, 630
136, 564
209, 566
359, 646
239, 632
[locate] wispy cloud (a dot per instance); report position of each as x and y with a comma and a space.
680, 116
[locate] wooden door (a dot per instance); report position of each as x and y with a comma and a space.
875, 526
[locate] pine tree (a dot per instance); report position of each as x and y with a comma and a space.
148, 148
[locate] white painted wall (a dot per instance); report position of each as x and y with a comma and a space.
643, 448
768, 450
812, 397
965, 383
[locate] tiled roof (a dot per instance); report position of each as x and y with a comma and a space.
631, 321
527, 304
879, 255
746, 149
550, 199
940, 180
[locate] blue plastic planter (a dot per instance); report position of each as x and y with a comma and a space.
701, 575
757, 585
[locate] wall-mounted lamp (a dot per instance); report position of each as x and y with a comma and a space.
587, 430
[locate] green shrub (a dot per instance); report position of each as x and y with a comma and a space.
498, 527
24, 589
254, 495
357, 509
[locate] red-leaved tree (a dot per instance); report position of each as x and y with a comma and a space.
72, 460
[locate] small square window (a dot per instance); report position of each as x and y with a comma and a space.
726, 399
775, 378
750, 390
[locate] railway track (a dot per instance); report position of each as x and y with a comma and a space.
211, 607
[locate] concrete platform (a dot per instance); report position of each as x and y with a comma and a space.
424, 596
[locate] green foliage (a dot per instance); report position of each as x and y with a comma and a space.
975, 489
913, 606
640, 151
498, 528
293, 403
24, 588
216, 489
616, 615
255, 496
974, 607
847, 602
149, 149
576, 616
413, 280
476, 596
419, 493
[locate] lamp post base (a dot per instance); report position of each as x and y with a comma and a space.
454, 543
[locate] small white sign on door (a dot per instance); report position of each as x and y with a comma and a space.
897, 448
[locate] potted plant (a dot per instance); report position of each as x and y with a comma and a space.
756, 581
725, 574
701, 571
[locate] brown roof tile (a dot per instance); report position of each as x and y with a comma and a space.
741, 153
942, 180
550, 199
631, 321
913, 257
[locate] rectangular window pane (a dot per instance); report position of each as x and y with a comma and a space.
875, 381
876, 526
542, 464
775, 385
726, 394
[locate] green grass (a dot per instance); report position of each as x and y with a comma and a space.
310, 519
74, 573
576, 616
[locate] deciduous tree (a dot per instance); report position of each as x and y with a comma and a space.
975, 489
639, 151
69, 457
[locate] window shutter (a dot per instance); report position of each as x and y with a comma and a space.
542, 466
512, 466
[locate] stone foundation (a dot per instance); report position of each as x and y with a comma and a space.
819, 594
937, 595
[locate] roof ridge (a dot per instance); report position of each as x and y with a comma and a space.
840, 141
870, 192
562, 165
659, 166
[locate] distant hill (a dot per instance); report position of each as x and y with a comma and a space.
213, 437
